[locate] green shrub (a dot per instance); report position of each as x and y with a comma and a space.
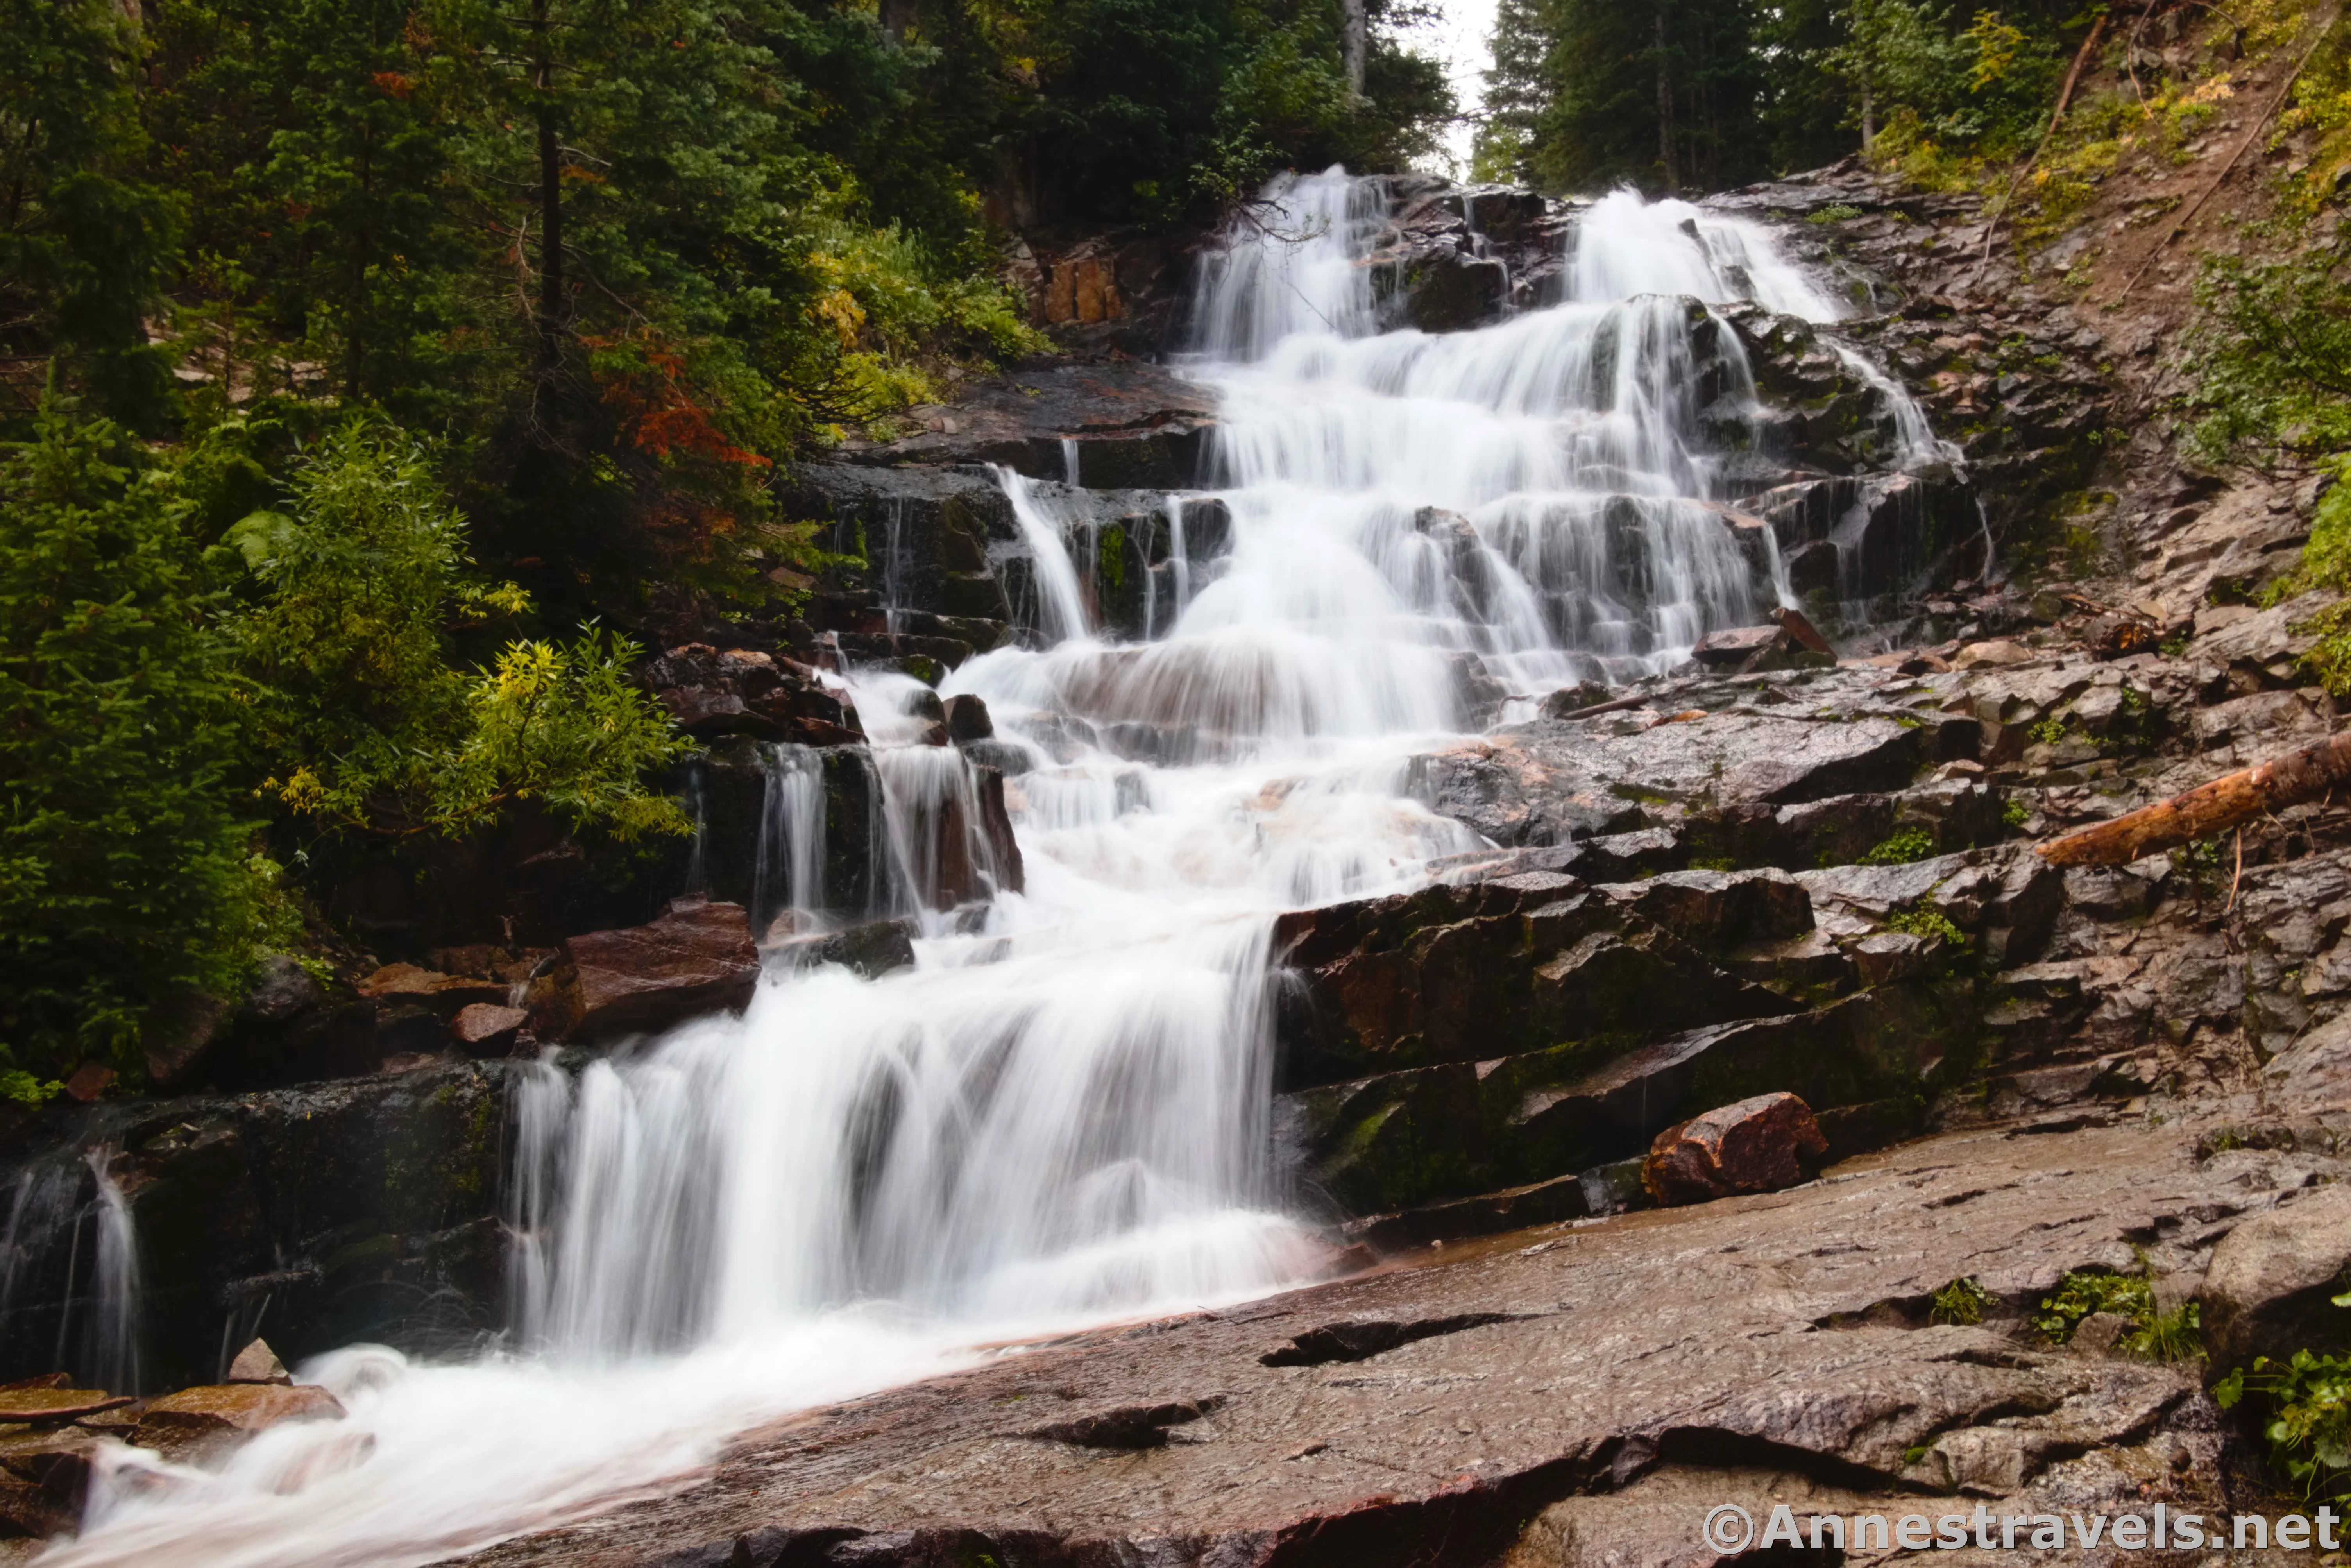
128, 873
1963, 1301
1903, 846
2155, 1335
2082, 1292
371, 723
2326, 566
2175, 1335
1930, 924
2309, 1429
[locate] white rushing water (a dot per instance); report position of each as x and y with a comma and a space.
1059, 1114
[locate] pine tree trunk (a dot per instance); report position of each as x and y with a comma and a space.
1665, 106
355, 312
1356, 43
550, 193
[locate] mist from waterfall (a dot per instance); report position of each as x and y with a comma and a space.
1059, 1114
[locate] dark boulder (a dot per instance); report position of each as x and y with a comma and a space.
872, 949
741, 691
966, 719
360, 1209
1130, 422
696, 958
1759, 1145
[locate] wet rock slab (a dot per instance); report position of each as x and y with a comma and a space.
1542, 1395
1136, 423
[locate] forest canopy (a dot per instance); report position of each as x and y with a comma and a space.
1704, 94
365, 365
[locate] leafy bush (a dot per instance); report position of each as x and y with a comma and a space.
2309, 1429
2270, 358
1930, 924
1901, 847
2082, 1292
2154, 1336
1963, 1301
371, 723
128, 875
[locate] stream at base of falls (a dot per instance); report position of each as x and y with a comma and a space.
1061, 1116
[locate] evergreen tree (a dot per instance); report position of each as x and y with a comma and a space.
127, 885
1516, 90
83, 239
1662, 94
322, 257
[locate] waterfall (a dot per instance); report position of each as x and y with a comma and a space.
114, 1329
1061, 602
789, 875
1060, 1114
70, 1248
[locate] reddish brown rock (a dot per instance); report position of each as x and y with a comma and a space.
1754, 1146
1125, 1426
29, 1509
89, 1081
486, 1028
696, 958
1616, 1352
967, 719
58, 1462
446, 995
236, 1407
55, 1404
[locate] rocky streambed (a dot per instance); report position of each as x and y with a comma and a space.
1582, 1392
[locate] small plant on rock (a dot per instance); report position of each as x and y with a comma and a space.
2015, 813
2309, 1430
1962, 1301
1928, 924
2175, 1335
2082, 1292
1901, 847
2155, 1334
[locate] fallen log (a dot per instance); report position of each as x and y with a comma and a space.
2208, 809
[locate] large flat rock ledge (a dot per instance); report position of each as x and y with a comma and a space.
1574, 1395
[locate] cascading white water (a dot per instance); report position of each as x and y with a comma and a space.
790, 876
96, 1300
115, 1328
1061, 1114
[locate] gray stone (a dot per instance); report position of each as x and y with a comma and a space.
2270, 1288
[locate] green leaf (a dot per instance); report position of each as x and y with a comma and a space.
259, 537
